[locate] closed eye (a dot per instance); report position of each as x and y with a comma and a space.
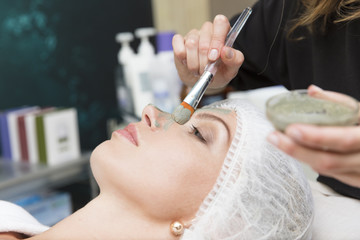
197, 133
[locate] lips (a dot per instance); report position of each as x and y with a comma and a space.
129, 132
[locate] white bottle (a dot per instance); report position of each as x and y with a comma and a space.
123, 77
139, 68
166, 82
145, 49
125, 51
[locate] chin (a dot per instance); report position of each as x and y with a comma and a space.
98, 151
97, 156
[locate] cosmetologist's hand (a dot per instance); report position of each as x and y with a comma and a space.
330, 151
193, 51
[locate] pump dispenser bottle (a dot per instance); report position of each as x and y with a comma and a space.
139, 67
145, 47
125, 50
123, 76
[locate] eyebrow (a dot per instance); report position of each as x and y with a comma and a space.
216, 118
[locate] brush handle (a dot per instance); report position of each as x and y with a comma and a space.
198, 90
230, 37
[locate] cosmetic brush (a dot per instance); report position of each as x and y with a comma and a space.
185, 110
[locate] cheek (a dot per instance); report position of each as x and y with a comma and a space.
181, 181
166, 178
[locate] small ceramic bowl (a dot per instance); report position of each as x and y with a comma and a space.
328, 109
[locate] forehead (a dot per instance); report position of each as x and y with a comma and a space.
220, 112
227, 115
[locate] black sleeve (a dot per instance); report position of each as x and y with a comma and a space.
256, 41
271, 59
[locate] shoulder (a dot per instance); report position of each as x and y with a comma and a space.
266, 18
273, 12
275, 5
11, 236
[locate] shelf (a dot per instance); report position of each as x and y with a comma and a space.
20, 178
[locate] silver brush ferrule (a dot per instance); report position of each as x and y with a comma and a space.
198, 90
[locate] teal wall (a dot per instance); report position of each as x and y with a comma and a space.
63, 53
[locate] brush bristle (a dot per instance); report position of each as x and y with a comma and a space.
181, 114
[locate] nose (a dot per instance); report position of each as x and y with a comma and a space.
153, 116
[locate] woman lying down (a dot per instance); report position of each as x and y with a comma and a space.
215, 177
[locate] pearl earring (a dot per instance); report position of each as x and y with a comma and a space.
177, 228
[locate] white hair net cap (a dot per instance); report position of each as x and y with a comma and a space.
261, 193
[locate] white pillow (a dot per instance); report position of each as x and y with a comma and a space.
14, 218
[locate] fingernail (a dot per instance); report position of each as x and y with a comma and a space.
315, 88
196, 73
213, 55
184, 62
229, 53
273, 139
295, 134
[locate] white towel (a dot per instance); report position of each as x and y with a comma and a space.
336, 217
14, 218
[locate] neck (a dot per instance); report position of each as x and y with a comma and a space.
108, 218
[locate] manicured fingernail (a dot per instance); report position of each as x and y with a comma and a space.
295, 134
229, 53
213, 54
196, 73
273, 139
315, 88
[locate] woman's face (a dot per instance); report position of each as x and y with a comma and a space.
165, 168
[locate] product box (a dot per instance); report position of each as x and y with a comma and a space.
28, 141
8, 131
57, 136
5, 141
15, 133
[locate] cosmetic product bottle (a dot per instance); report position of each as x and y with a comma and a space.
122, 74
139, 70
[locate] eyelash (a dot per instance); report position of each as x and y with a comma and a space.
197, 133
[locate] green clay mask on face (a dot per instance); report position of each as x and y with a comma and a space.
169, 121
157, 124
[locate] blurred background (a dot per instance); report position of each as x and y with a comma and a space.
64, 53
68, 55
